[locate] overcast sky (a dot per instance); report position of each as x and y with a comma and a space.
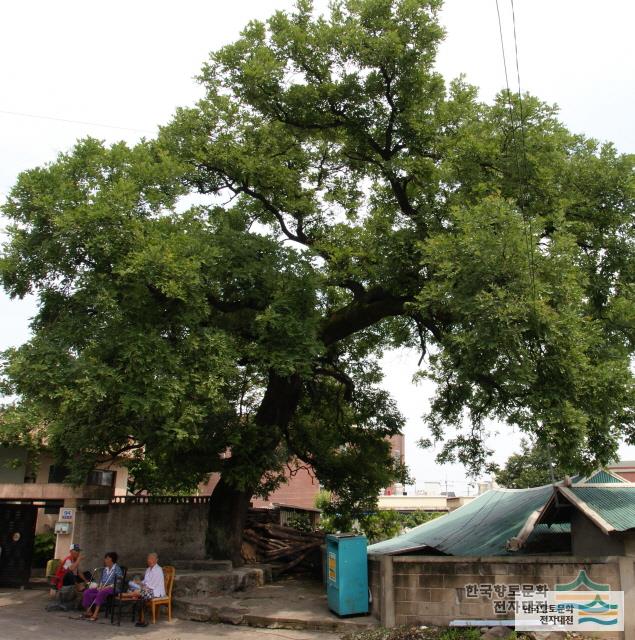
130, 64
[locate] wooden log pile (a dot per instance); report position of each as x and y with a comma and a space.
289, 549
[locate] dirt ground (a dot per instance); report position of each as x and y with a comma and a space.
23, 617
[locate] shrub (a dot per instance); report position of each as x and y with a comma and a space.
43, 549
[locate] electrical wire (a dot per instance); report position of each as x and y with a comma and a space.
521, 168
70, 121
523, 186
524, 151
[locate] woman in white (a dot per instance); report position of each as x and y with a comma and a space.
153, 585
153, 579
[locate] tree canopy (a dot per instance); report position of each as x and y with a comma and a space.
231, 285
531, 467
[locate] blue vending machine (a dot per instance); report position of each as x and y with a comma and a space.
347, 574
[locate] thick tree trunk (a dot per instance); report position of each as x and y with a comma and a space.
226, 521
228, 505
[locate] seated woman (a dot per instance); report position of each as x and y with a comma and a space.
95, 597
152, 586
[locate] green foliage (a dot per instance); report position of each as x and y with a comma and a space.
43, 548
532, 467
231, 285
415, 518
381, 525
376, 525
300, 521
385, 524
323, 499
419, 632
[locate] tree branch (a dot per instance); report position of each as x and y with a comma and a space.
340, 376
360, 314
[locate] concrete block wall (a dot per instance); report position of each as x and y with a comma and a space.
374, 584
434, 590
174, 531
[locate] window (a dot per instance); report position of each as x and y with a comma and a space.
57, 473
101, 478
53, 508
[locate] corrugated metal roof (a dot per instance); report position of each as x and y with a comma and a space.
602, 477
479, 528
558, 527
616, 504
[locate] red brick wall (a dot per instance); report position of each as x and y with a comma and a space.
627, 475
398, 443
301, 488
299, 491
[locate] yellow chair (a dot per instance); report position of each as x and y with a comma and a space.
156, 603
51, 567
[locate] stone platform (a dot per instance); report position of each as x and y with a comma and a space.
204, 580
288, 603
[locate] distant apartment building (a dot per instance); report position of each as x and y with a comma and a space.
398, 446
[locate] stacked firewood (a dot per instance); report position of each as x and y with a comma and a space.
287, 548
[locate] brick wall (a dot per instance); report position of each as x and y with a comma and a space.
302, 487
432, 590
300, 490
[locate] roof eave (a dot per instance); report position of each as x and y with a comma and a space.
585, 509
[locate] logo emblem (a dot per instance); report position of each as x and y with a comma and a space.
579, 605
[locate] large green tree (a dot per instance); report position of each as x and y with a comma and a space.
531, 467
229, 287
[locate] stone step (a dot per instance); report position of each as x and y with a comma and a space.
224, 610
203, 565
203, 584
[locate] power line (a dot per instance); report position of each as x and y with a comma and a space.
522, 172
69, 121
524, 152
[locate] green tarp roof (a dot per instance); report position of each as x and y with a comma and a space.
480, 528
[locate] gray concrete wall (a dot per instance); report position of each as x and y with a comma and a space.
588, 540
174, 531
433, 590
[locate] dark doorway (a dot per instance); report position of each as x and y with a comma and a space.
17, 535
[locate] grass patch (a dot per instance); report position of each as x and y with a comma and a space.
416, 633
434, 633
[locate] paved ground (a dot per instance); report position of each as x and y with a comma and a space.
291, 603
22, 617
